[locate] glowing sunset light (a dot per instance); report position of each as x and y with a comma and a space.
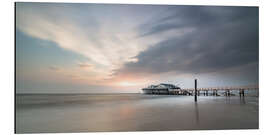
127, 84
97, 48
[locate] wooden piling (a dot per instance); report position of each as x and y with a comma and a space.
242, 92
215, 92
195, 96
227, 92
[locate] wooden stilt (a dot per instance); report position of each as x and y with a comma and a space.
195, 97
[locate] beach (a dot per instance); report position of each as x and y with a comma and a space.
57, 113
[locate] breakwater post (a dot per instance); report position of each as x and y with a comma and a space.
241, 92
195, 98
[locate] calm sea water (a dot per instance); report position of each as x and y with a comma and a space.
39, 113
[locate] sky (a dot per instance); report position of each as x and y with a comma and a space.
117, 48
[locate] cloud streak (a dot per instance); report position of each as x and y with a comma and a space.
89, 30
221, 38
141, 44
84, 65
54, 68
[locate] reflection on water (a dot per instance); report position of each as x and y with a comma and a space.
242, 100
229, 101
132, 112
197, 113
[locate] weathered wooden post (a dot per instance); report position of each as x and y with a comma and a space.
215, 92
240, 94
195, 98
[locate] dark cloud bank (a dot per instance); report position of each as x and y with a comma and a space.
222, 38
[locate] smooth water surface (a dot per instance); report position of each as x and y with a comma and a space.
39, 113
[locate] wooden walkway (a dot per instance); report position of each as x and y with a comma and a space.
215, 90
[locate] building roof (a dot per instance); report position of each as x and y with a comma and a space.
163, 86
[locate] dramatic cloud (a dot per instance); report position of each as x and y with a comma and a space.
102, 33
106, 46
221, 38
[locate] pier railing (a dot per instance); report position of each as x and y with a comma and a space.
223, 88
227, 91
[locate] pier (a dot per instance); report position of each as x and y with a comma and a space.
168, 89
215, 91
212, 91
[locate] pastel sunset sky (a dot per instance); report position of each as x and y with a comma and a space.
97, 48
